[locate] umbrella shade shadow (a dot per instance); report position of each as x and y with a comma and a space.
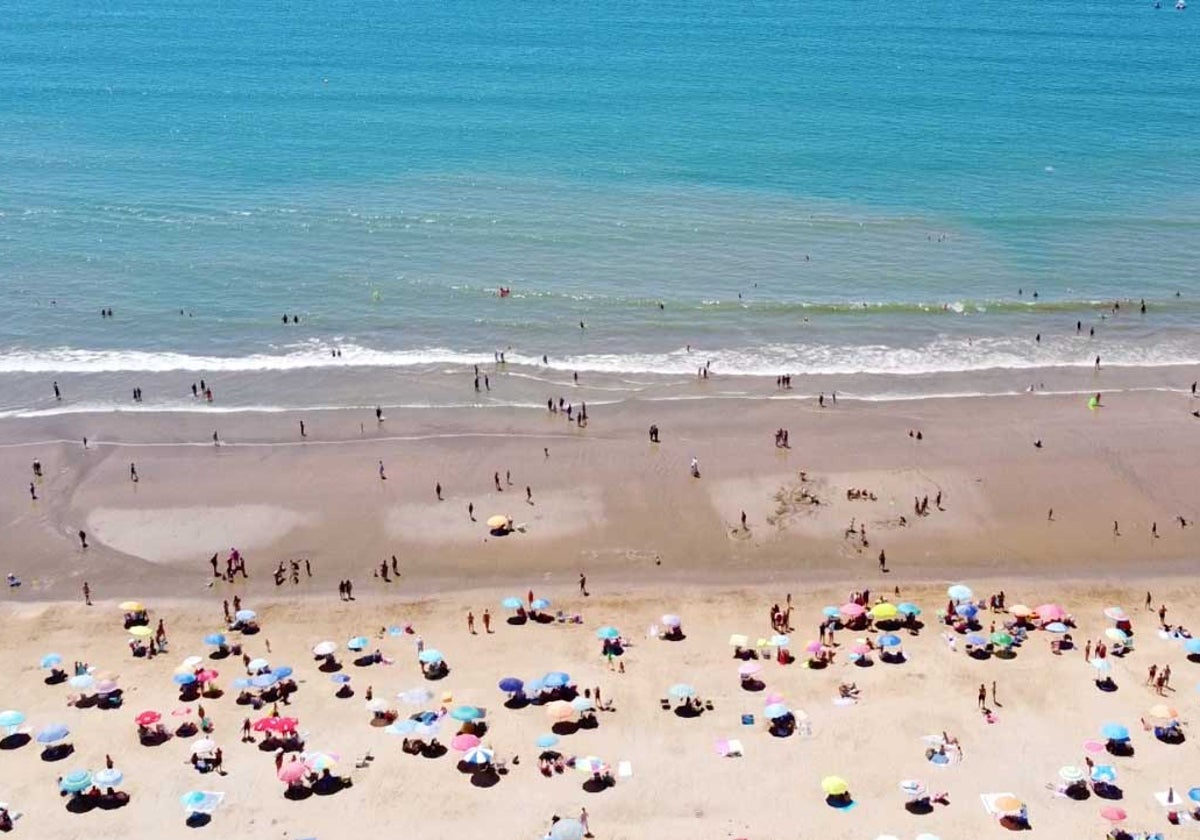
329, 666
485, 778
919, 807
344, 692
81, 804
515, 620
297, 793
1006, 653
674, 636
189, 693
753, 685
57, 752
466, 768
440, 674
219, 654
214, 693
981, 654
1107, 685
15, 741
589, 722
840, 801
197, 820
187, 729
565, 727
1174, 737
56, 678
88, 701
687, 710
517, 701
329, 785
1194, 657
1079, 793
893, 658
113, 801
1110, 792
817, 664
1121, 748
594, 785
865, 662
154, 739
434, 752
1015, 823
543, 618
365, 661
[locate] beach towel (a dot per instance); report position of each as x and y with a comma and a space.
625, 770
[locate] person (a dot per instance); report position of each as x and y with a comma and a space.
471, 622
744, 521
882, 561
37, 468
378, 414
437, 490
583, 821
216, 439
302, 432
219, 761
487, 621
1149, 602
87, 594
982, 700
382, 474
32, 492
57, 393
133, 476
695, 466
528, 494
583, 584
83, 538
471, 511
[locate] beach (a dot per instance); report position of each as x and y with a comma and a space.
651, 539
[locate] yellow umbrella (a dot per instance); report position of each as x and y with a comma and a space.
131, 606
560, 710
141, 632
834, 785
1008, 804
497, 521
1020, 610
884, 612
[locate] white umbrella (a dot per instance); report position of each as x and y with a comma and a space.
204, 745
324, 648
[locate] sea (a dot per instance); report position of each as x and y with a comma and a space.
894, 200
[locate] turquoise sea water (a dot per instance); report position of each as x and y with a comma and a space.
850, 188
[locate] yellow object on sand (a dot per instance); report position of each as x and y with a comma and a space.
131, 606
497, 522
834, 785
141, 632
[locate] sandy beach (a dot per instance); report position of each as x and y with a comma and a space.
651, 539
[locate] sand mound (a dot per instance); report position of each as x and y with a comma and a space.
171, 535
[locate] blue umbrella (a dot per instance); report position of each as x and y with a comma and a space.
958, 592
51, 660
608, 632
889, 640
11, 718
108, 777
583, 704
52, 732
402, 727
395, 631
264, 680
1194, 794
975, 640
465, 713
283, 672
245, 615
1192, 646
535, 686
540, 604
429, 656
1115, 732
547, 741
425, 717
511, 685
358, 643
183, 679
1056, 627
681, 690
907, 608
200, 802
831, 612
967, 610
242, 682
1104, 773
76, 781
340, 679
556, 679
512, 603
776, 710
215, 639
82, 681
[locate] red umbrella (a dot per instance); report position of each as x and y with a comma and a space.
292, 772
1114, 814
463, 742
147, 718
275, 724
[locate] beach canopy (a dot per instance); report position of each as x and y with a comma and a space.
512, 603
511, 685
834, 786
1102, 666
884, 612
340, 679
1008, 804
108, 777
583, 704
975, 640
325, 648
681, 690
568, 829
216, 639
190, 663
51, 660
590, 764
466, 713
1104, 773
376, 706
52, 732
959, 592
264, 680
283, 672
908, 608
1114, 732
831, 612
76, 781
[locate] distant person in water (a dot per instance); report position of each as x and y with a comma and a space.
378, 414
57, 393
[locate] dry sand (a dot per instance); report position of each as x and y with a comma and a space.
651, 539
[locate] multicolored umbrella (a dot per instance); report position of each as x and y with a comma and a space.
478, 756
76, 781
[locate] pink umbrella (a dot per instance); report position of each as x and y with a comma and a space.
749, 669
463, 742
773, 697
813, 647
292, 772
560, 710
206, 676
1114, 814
861, 650
852, 610
1051, 612
1093, 747
182, 711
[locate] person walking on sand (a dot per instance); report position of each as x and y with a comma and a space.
32, 492
1149, 602
528, 494
487, 621
744, 528
471, 511
83, 538
471, 622
216, 439
382, 474
1087, 650
57, 393
583, 822
87, 594
496, 481
982, 699
583, 584
1150, 674
133, 476
882, 561
302, 432
437, 490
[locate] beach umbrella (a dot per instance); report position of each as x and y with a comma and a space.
749, 669
780, 641
76, 781
834, 786
1114, 732
884, 612
975, 640
466, 713
1192, 646
1104, 773
497, 521
547, 741
1020, 610
140, 632
583, 704
1056, 627
738, 640
556, 679
415, 696
535, 686
813, 647
108, 777
912, 788
590, 764
512, 603
241, 683
775, 711
1102, 666
1008, 804
276, 724
1071, 774
670, 620
852, 609
52, 732
540, 604
263, 680
131, 606
256, 665
430, 656
203, 745
478, 756
10, 718
1116, 635
1051, 612
463, 742
959, 592
889, 640
681, 690
860, 648
183, 679
325, 648
200, 802
147, 718
1163, 712
1003, 639
608, 632
401, 727
215, 639
908, 608
83, 682
283, 672
245, 615
190, 663
340, 679
831, 612
292, 772
50, 660
560, 710
1116, 614
320, 761
376, 706
1194, 794
568, 829
106, 687
207, 675
511, 685
358, 643
1114, 814
967, 611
